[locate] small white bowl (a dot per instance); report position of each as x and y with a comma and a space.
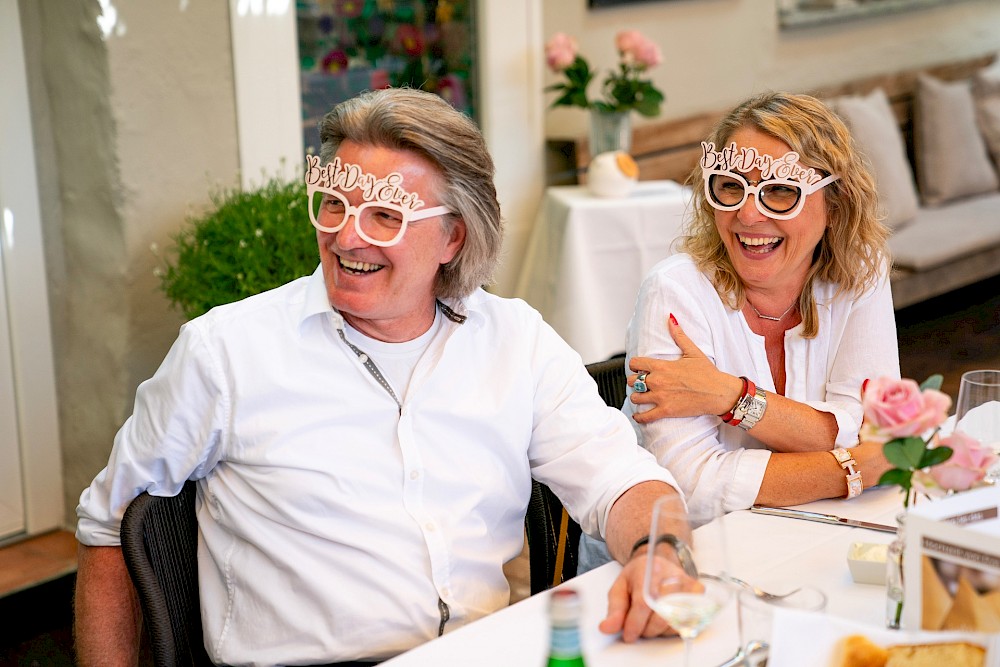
867, 562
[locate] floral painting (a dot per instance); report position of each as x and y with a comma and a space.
348, 46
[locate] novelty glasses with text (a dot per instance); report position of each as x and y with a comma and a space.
781, 191
381, 219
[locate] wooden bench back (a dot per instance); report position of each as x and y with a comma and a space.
670, 149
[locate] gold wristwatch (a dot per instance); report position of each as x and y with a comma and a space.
847, 462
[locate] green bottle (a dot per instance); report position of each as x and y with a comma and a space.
564, 617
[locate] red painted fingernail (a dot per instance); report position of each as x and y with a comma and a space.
673, 319
864, 385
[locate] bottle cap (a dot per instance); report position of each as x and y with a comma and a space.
564, 606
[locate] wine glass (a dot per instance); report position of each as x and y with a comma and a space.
685, 581
977, 413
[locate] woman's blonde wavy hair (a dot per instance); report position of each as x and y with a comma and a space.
853, 248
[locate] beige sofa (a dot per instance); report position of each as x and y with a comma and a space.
932, 136
941, 193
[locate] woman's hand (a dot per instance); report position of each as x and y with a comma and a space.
687, 387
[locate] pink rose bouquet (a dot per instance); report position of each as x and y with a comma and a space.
965, 469
901, 408
898, 413
623, 90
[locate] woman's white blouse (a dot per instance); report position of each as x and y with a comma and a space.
709, 459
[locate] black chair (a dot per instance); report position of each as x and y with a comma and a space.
160, 544
553, 537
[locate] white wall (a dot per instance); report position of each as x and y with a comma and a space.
266, 81
30, 462
510, 71
134, 127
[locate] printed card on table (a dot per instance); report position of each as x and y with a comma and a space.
951, 563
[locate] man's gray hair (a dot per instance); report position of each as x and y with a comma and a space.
414, 120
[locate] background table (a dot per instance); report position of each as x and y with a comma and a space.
775, 553
587, 257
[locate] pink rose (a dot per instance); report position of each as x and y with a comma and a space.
968, 463
898, 409
560, 51
636, 49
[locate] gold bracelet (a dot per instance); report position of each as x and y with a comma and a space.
847, 462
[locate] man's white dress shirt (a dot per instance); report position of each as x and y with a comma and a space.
332, 520
709, 459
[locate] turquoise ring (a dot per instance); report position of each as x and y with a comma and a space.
640, 383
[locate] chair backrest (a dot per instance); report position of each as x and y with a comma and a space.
610, 378
553, 537
160, 544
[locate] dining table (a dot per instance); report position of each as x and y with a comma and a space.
587, 256
775, 553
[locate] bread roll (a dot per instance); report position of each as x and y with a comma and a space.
859, 651
952, 654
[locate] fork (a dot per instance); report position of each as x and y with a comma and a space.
757, 591
761, 593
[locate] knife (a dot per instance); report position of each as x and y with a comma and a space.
822, 518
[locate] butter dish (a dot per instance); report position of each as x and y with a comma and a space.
867, 562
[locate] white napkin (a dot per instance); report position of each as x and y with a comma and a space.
807, 638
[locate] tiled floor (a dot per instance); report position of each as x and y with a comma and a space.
951, 334
36, 560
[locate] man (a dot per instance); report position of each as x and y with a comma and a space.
364, 438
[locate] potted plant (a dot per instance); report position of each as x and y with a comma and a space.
250, 241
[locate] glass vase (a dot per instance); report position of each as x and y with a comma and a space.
610, 131
894, 576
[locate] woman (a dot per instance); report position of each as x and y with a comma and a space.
784, 282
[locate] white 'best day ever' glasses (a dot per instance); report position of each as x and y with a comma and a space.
381, 219
780, 198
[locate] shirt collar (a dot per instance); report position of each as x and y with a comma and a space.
317, 302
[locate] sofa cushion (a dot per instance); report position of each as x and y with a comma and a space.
951, 157
876, 132
986, 86
939, 235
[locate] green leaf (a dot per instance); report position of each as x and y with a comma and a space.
933, 382
896, 476
935, 455
905, 453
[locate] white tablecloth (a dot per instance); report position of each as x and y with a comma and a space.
587, 257
775, 553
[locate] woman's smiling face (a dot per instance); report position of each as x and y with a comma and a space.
769, 253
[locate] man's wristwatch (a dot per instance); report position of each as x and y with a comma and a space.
847, 462
680, 548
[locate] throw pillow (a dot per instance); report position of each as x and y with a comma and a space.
950, 153
986, 86
876, 133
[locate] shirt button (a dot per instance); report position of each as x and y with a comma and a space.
446, 592
429, 526
414, 474
363, 358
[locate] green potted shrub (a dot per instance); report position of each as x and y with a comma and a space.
249, 242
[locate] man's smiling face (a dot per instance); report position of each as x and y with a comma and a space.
387, 293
